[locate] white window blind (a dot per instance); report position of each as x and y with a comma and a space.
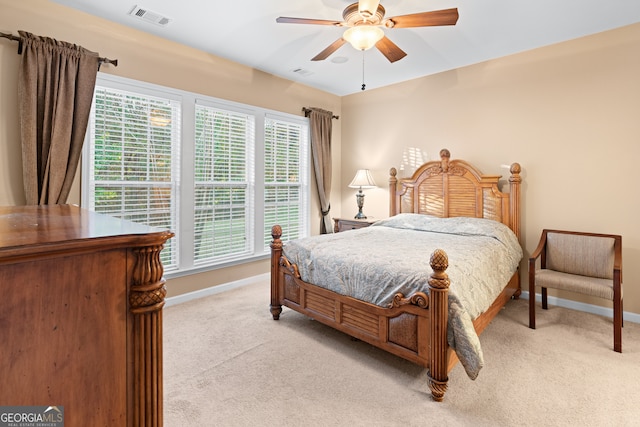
218, 174
285, 178
223, 223
134, 144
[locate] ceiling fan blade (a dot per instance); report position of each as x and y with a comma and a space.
329, 50
424, 19
390, 50
287, 20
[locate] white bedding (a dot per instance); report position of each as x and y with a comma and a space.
373, 264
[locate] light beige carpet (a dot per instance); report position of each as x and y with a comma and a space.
227, 363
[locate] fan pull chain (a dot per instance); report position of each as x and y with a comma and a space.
363, 85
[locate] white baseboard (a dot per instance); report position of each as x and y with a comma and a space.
179, 299
561, 302
580, 306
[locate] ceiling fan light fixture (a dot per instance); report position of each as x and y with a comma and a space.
363, 37
368, 8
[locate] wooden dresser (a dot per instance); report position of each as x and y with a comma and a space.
81, 297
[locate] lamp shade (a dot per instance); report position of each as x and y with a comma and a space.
363, 37
363, 179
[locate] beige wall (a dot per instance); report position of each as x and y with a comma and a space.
568, 113
152, 59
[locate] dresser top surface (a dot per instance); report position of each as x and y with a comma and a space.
24, 226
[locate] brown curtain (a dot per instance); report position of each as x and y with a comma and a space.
320, 124
55, 91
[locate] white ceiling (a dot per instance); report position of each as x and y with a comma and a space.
245, 31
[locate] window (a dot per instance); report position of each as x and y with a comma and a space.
219, 174
285, 200
223, 190
134, 143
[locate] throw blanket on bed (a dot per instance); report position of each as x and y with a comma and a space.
373, 264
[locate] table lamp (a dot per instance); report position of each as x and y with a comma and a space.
363, 179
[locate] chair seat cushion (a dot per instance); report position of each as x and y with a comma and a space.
602, 288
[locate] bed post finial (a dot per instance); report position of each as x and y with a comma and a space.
276, 253
445, 155
439, 308
393, 188
514, 199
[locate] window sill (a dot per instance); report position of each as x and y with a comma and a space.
206, 268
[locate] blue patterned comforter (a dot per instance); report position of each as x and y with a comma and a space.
373, 264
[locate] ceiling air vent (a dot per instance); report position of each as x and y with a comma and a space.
149, 16
302, 72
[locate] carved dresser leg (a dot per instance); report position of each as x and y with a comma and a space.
146, 299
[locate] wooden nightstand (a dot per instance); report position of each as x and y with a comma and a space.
342, 224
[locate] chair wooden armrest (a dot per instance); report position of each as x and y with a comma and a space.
538, 251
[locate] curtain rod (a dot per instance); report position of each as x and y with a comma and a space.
308, 110
101, 60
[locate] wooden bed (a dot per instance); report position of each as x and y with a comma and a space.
413, 327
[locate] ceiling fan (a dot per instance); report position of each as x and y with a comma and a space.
365, 21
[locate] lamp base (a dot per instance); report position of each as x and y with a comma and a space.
360, 202
360, 215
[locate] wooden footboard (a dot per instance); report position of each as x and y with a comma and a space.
412, 327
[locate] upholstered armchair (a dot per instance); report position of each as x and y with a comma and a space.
586, 263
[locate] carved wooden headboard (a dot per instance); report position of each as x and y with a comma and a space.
450, 188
